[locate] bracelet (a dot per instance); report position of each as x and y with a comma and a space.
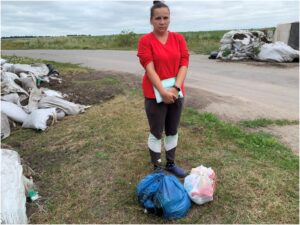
177, 88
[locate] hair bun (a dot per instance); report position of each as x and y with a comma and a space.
156, 2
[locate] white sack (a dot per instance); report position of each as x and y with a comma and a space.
39, 69
52, 93
9, 86
12, 97
5, 127
28, 83
8, 76
278, 52
60, 114
35, 96
69, 108
2, 61
13, 198
7, 67
13, 111
38, 118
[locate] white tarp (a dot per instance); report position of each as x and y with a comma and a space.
13, 197
278, 52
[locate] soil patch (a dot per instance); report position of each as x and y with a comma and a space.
95, 87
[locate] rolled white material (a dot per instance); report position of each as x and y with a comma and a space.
154, 144
13, 198
170, 142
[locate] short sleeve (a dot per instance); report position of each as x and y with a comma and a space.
144, 51
184, 60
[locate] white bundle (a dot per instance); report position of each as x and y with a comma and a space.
69, 108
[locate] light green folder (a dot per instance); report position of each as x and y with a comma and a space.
167, 83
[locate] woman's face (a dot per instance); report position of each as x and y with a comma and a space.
160, 20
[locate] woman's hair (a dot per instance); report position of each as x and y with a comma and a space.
157, 5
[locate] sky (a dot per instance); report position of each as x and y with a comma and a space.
103, 17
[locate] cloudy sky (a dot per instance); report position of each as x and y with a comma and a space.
102, 17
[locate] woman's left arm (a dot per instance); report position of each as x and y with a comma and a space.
181, 76
184, 62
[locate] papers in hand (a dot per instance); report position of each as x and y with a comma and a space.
167, 83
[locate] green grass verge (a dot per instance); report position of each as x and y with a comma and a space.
263, 122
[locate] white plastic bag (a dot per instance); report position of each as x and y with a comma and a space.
200, 184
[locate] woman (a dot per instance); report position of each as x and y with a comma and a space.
164, 55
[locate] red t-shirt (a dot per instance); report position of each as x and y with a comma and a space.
167, 58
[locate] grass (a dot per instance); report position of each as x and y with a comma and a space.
263, 122
89, 165
202, 42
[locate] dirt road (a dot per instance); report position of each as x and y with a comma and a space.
232, 90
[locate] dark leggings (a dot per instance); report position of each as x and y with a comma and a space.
162, 117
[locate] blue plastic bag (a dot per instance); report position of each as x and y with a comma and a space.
163, 195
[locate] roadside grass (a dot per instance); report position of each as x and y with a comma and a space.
263, 122
202, 42
89, 165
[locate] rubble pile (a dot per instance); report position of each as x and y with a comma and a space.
244, 44
23, 102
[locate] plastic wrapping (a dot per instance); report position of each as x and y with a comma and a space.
163, 195
200, 184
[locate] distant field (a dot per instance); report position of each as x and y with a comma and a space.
199, 42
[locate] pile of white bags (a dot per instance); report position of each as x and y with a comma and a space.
278, 52
244, 44
13, 195
22, 101
200, 184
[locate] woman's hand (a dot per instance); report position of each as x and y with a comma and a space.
168, 96
174, 91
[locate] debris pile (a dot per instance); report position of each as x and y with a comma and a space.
244, 44
22, 101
